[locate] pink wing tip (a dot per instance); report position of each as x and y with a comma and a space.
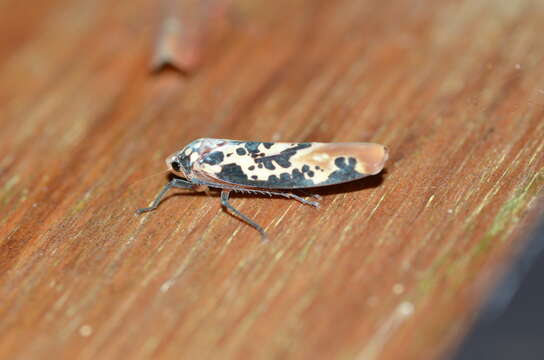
374, 158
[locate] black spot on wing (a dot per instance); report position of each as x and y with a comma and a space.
214, 158
234, 174
267, 145
341, 163
268, 162
285, 177
297, 175
346, 172
256, 155
252, 146
241, 151
288, 181
283, 158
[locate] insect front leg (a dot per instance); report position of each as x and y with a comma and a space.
174, 183
225, 202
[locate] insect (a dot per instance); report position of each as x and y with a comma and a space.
269, 168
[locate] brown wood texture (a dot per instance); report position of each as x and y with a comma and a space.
391, 267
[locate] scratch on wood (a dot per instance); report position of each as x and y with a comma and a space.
252, 316
308, 244
280, 218
81, 203
229, 240
511, 209
429, 201
377, 342
5, 193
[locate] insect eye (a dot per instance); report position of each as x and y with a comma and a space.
175, 165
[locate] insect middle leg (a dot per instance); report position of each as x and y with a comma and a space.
225, 202
174, 183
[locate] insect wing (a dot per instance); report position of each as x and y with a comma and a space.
336, 163
289, 165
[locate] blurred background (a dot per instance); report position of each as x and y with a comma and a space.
437, 257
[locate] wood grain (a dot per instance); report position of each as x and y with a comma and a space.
391, 267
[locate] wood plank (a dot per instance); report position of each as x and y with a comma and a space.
393, 266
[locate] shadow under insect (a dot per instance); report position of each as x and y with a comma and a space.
175, 182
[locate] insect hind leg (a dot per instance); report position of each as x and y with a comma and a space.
263, 192
315, 196
284, 194
174, 183
301, 199
225, 202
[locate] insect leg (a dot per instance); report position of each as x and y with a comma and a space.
296, 197
265, 192
315, 196
225, 202
174, 183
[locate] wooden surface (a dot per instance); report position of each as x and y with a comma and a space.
391, 267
